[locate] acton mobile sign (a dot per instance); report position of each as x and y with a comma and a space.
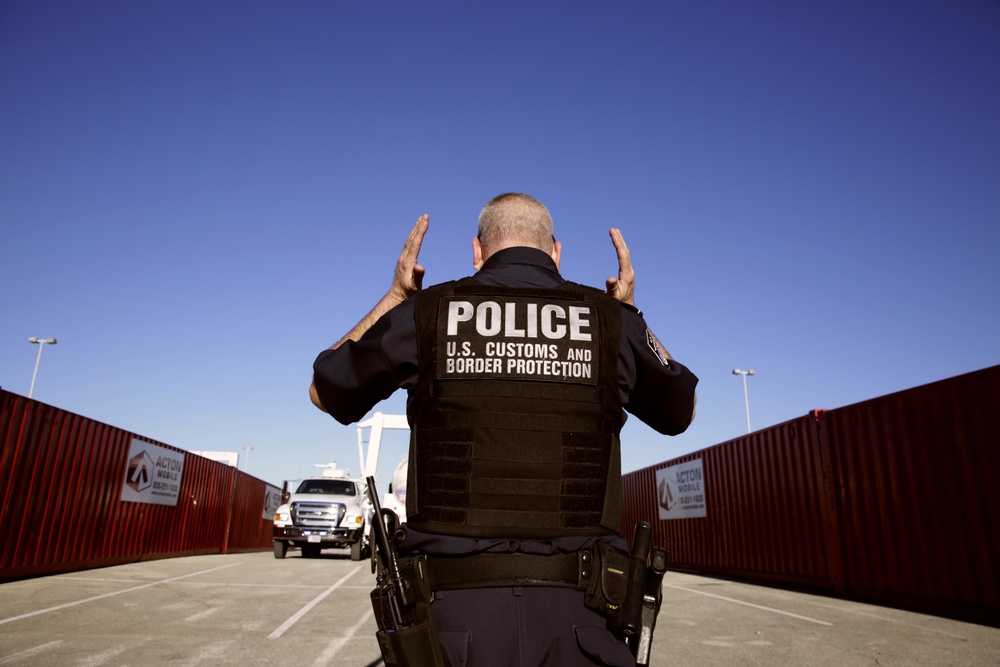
680, 491
153, 474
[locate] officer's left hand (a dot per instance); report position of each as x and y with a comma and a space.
622, 287
409, 275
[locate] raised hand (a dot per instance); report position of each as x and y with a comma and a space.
409, 276
622, 287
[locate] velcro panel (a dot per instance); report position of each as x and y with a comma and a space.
584, 471
523, 422
451, 458
517, 480
516, 521
508, 389
582, 504
580, 521
487, 469
518, 486
530, 448
451, 442
586, 457
448, 516
438, 482
593, 448
444, 486
583, 487
519, 503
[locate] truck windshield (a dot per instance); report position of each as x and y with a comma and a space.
334, 486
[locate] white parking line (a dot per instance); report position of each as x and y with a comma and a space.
848, 608
305, 610
112, 594
109, 656
30, 652
228, 584
330, 652
200, 615
211, 653
749, 604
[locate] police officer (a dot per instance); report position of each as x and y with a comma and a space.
517, 381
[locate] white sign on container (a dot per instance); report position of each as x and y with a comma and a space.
153, 475
272, 501
680, 491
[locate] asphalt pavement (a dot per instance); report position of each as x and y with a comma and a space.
252, 609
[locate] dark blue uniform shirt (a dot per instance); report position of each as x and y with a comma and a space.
352, 379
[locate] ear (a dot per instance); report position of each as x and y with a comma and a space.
556, 253
477, 253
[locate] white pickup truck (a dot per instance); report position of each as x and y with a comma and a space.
331, 511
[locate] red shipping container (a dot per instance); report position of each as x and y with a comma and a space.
891, 500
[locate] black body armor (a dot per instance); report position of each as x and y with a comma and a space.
516, 413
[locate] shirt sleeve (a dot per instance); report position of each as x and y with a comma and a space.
658, 391
356, 376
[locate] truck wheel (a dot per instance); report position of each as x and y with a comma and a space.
280, 549
356, 550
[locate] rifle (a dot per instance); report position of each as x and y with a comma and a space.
401, 598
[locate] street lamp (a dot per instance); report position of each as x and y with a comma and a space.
246, 460
746, 397
41, 345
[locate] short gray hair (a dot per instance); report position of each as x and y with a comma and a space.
515, 219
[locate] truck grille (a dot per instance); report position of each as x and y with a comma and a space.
317, 515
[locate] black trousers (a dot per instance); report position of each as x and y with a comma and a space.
524, 627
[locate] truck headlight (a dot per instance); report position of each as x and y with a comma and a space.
356, 520
281, 517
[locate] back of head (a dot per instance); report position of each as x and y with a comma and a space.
515, 219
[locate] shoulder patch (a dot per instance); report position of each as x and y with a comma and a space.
654, 345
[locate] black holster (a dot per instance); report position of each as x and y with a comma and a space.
625, 589
416, 644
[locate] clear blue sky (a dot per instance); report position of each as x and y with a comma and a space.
198, 197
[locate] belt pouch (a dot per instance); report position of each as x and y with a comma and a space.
606, 587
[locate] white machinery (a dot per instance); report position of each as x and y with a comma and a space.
395, 499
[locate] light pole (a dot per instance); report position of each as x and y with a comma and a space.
246, 461
41, 345
746, 396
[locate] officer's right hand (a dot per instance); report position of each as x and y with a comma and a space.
409, 275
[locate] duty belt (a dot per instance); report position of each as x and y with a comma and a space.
623, 589
573, 570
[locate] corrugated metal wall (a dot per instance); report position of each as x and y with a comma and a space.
61, 478
918, 496
892, 500
764, 508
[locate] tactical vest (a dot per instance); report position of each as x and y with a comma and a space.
516, 412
